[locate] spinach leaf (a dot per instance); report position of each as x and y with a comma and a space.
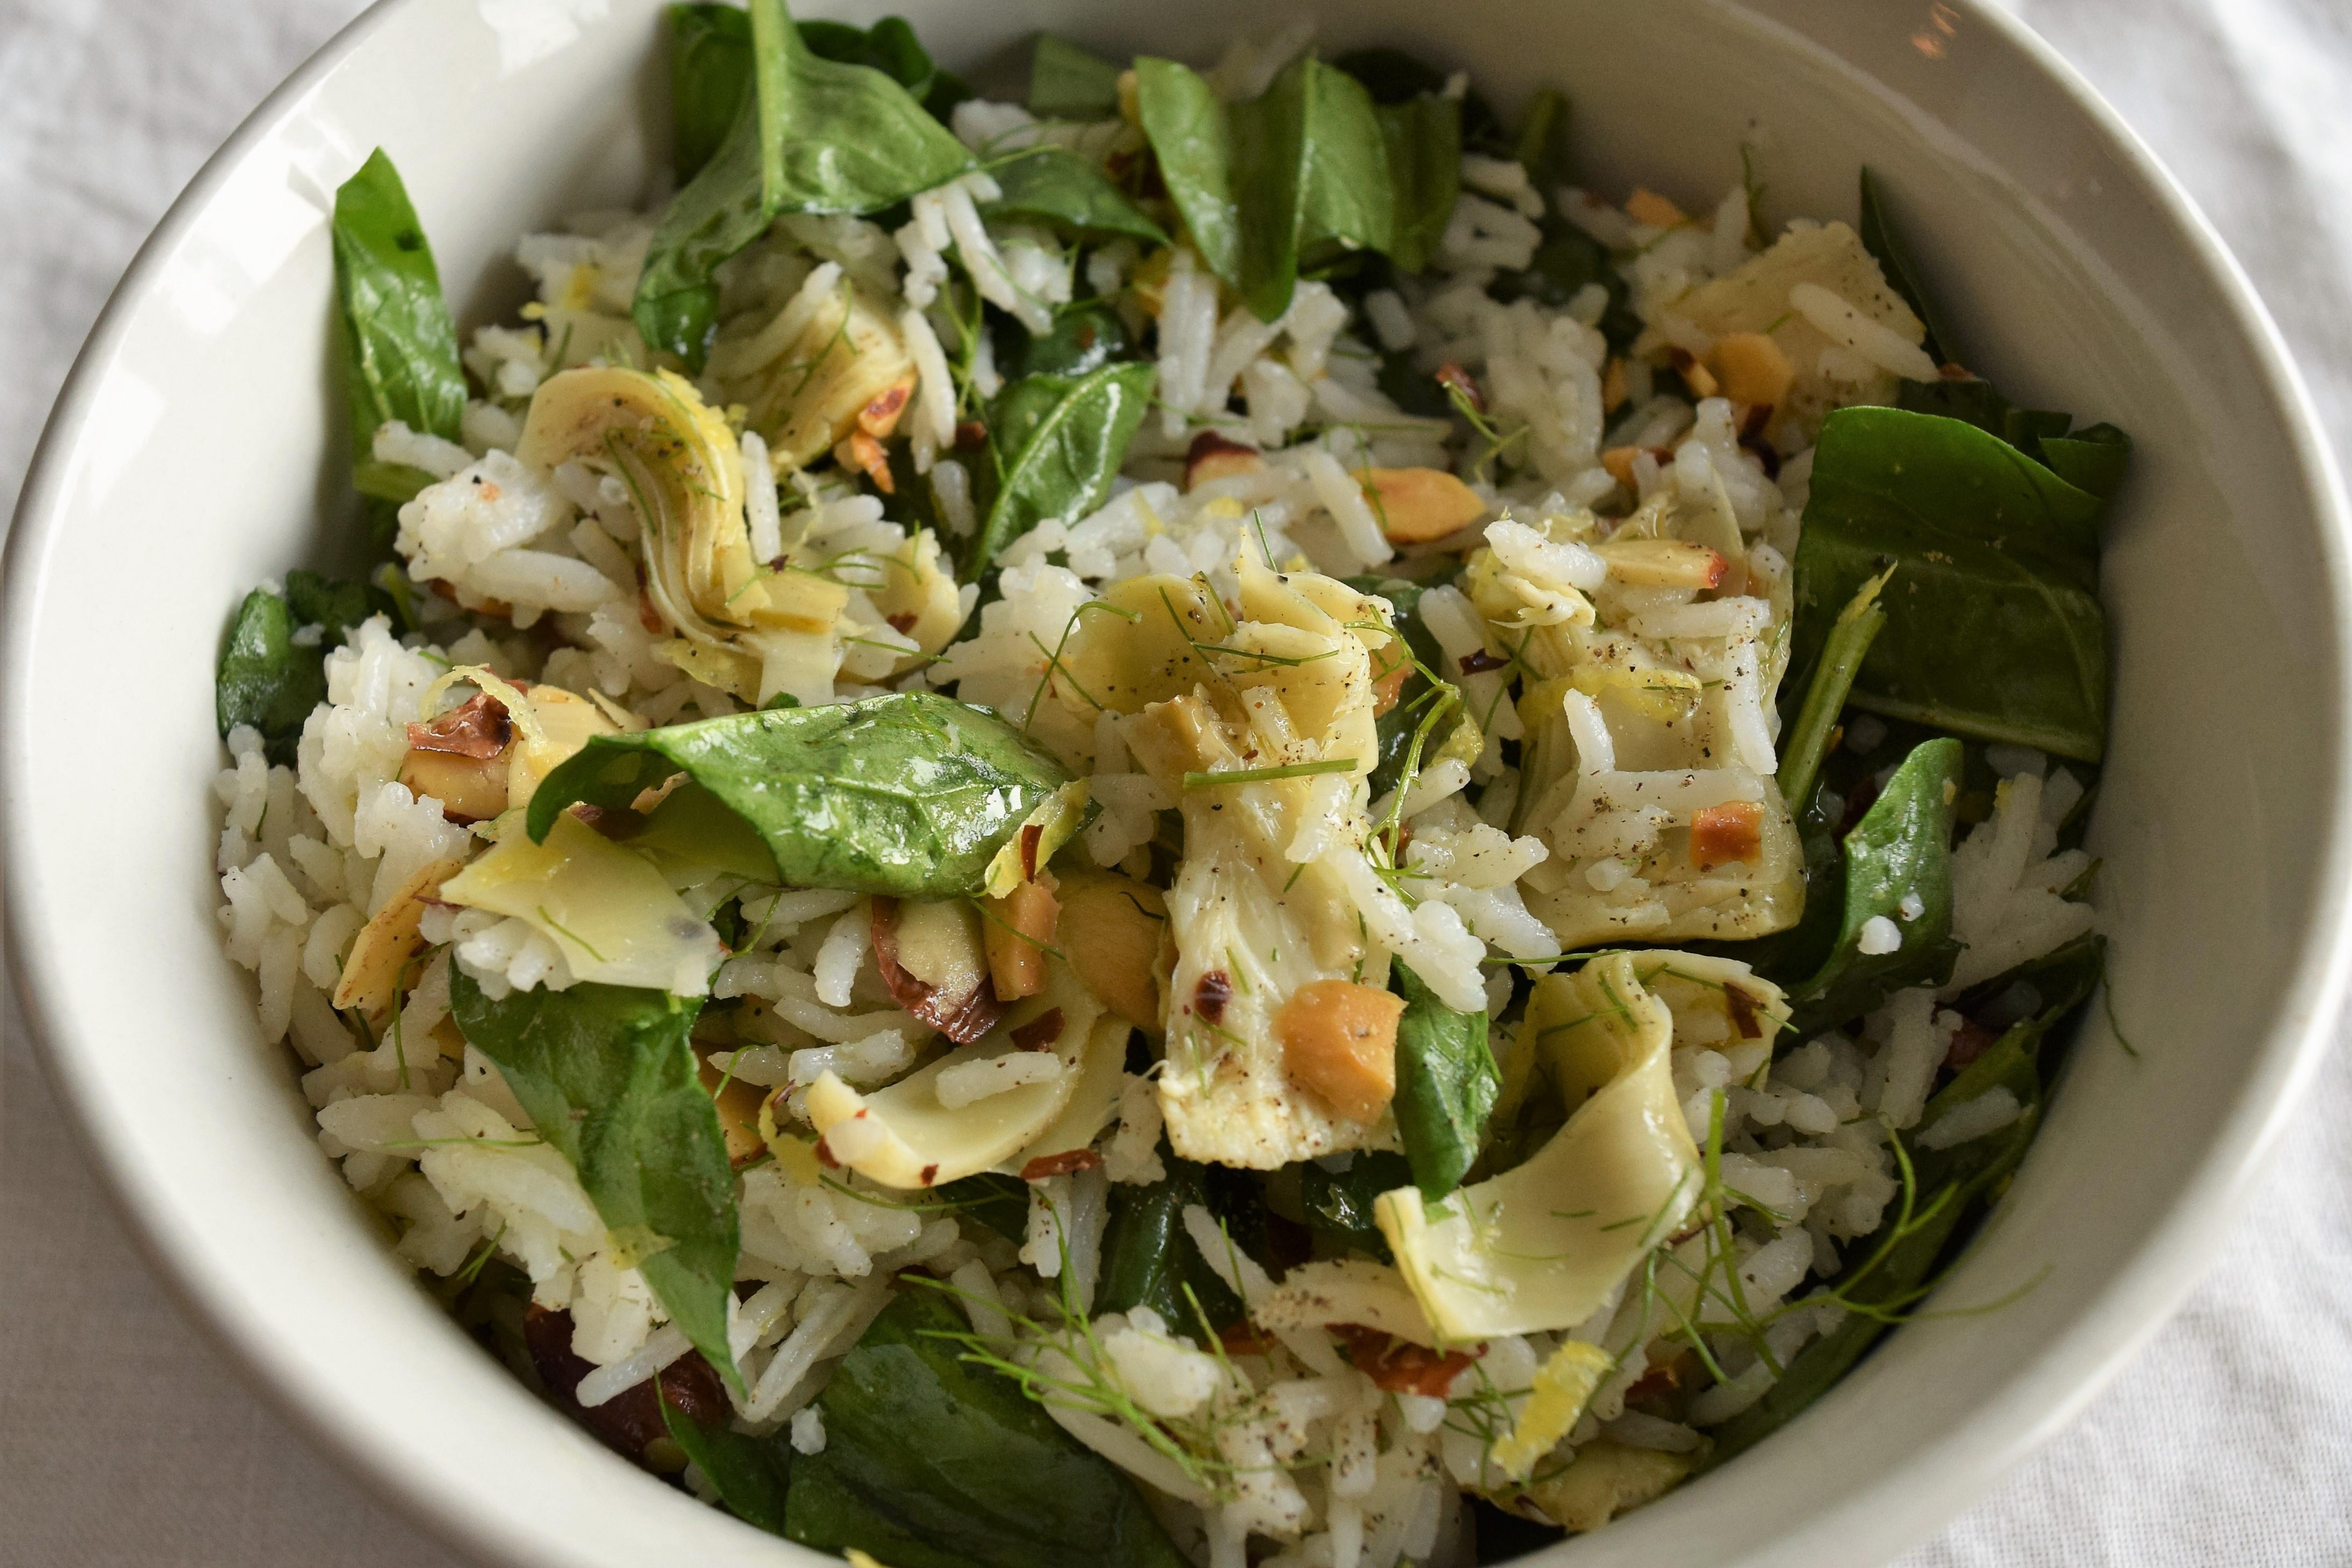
1339, 1203
1994, 625
910, 794
1850, 637
1901, 850
1878, 237
1148, 1260
1566, 259
1890, 1270
1976, 401
1059, 186
889, 46
2093, 458
1393, 77
1305, 165
1541, 146
710, 78
266, 679
1086, 336
932, 1461
1000, 1203
1066, 82
400, 345
609, 1078
1446, 1085
814, 135
751, 1473
1058, 440
1423, 137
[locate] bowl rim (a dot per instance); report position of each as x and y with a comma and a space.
2168, 1261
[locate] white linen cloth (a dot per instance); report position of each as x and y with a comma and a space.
125, 1440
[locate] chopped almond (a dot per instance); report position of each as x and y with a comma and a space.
1613, 386
1111, 929
1663, 562
861, 453
1213, 457
1338, 1043
1016, 933
1648, 207
470, 789
1417, 505
962, 1009
1751, 369
880, 416
1720, 834
478, 728
1400, 1366
1695, 376
738, 1104
1619, 461
387, 943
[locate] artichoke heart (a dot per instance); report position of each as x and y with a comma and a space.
1290, 682
809, 374
1542, 1245
916, 1133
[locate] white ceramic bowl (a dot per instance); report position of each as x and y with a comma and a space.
196, 449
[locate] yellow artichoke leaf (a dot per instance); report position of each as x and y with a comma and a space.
608, 908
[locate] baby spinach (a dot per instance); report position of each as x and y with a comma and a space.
609, 1078
1542, 144
910, 794
1994, 627
1339, 1203
400, 345
1066, 82
1149, 1262
1892, 1269
1086, 336
1059, 186
1058, 441
2093, 458
1446, 1085
751, 1474
1567, 259
1808, 741
1901, 850
931, 1460
265, 678
1422, 139
1878, 237
814, 135
710, 78
1000, 1203
1301, 168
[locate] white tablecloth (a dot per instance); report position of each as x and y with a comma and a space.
125, 1440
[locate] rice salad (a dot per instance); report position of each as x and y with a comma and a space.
1192, 821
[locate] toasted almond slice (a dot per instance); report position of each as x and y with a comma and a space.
1661, 562
1648, 207
1338, 1043
1017, 931
1693, 372
1417, 505
880, 416
1111, 929
1213, 457
861, 453
1752, 369
470, 789
387, 943
1613, 386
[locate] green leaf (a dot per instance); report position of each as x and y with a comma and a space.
1066, 82
1879, 237
908, 793
400, 345
1149, 1261
1994, 627
930, 1461
1541, 146
263, 680
1446, 1081
1565, 260
2093, 458
710, 78
1000, 1203
1900, 849
1423, 137
1060, 440
1086, 336
1186, 123
1975, 401
751, 1474
815, 135
889, 46
1339, 1203
334, 605
1057, 185
1888, 1271
608, 1077
1850, 637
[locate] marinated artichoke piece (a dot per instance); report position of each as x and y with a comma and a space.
829, 365
1542, 1245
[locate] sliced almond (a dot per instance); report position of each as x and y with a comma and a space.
1619, 461
1648, 207
1613, 386
1017, 929
861, 453
1111, 929
1417, 505
1338, 1045
879, 417
956, 999
1694, 374
1661, 562
1721, 835
738, 1104
470, 789
1213, 457
387, 944
1752, 369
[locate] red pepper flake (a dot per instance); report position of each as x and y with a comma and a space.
1067, 1162
1452, 375
931, 1174
1482, 661
1242, 1337
1033, 836
1400, 1366
1971, 1041
825, 1156
969, 434
649, 618
1211, 992
903, 622
1742, 1008
480, 728
1040, 1032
